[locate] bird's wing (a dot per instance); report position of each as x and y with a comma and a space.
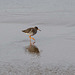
28, 30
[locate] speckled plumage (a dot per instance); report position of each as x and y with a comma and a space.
31, 31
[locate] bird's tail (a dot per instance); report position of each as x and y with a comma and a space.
23, 30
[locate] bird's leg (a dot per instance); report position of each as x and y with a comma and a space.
30, 38
33, 39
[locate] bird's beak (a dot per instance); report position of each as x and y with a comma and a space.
39, 29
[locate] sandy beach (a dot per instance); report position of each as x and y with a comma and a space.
54, 50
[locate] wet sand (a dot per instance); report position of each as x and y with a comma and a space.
54, 50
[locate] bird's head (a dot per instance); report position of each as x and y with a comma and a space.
37, 28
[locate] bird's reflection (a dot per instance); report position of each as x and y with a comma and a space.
32, 48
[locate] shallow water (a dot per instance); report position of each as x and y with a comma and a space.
55, 45
54, 50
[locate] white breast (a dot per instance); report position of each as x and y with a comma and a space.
29, 34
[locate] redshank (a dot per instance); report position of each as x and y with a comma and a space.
31, 31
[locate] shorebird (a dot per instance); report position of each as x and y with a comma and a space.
31, 31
